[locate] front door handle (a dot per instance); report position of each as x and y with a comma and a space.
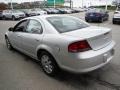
18, 36
37, 40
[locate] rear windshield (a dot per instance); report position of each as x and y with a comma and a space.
66, 24
16, 11
96, 10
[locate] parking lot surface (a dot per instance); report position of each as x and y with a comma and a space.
20, 72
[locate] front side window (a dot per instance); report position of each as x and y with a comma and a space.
16, 11
66, 24
20, 27
34, 27
5, 11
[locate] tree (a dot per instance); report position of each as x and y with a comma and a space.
3, 6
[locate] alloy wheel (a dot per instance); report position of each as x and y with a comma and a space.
47, 64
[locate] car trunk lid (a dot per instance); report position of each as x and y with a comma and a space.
97, 37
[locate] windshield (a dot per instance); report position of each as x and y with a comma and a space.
16, 11
66, 24
96, 10
37, 9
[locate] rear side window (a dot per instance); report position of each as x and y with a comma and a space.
34, 27
66, 24
5, 11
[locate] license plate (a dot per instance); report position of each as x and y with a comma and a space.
91, 14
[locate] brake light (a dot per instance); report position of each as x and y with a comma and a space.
80, 46
115, 12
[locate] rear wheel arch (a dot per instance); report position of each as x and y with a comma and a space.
44, 50
55, 70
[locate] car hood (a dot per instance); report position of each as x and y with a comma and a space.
88, 32
19, 13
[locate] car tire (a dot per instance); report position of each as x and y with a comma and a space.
114, 22
8, 44
13, 18
48, 64
86, 20
101, 20
3, 18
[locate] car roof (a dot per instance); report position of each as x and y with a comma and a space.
96, 10
46, 16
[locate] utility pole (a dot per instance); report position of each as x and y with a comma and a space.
11, 5
44, 3
70, 4
106, 7
54, 3
82, 3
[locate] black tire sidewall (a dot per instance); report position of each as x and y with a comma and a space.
10, 48
114, 22
3, 18
13, 18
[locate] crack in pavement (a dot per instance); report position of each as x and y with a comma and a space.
104, 83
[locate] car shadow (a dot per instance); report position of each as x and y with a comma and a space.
76, 81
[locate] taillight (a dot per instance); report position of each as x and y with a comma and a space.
115, 12
80, 46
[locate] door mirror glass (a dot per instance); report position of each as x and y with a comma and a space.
10, 29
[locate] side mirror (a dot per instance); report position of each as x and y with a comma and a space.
10, 29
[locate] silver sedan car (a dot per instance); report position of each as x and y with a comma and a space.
62, 42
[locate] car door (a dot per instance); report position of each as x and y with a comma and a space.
16, 35
6, 13
32, 37
9, 14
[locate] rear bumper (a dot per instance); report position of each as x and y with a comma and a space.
93, 18
89, 61
116, 19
